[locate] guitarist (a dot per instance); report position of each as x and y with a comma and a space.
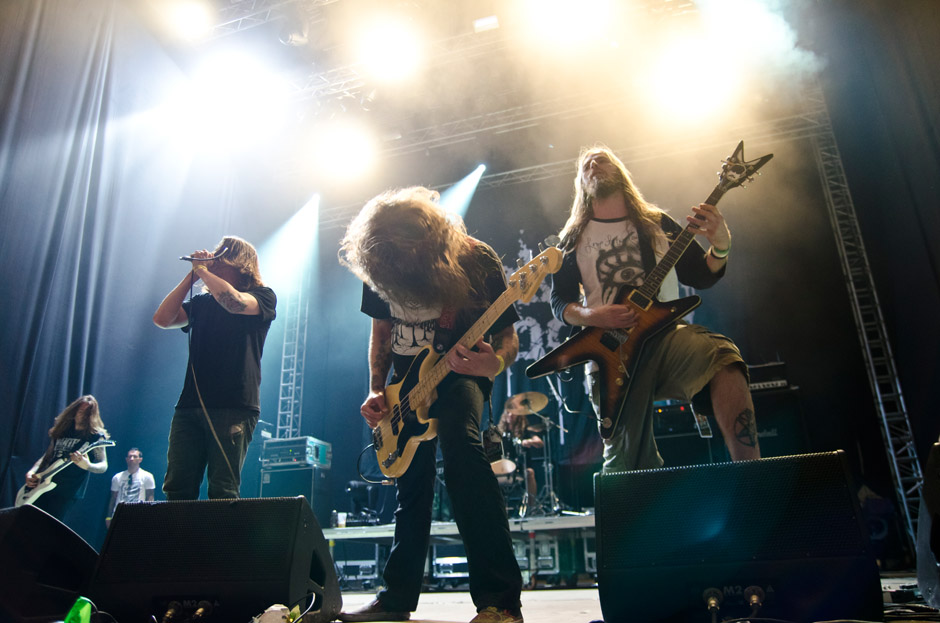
425, 283
614, 237
77, 424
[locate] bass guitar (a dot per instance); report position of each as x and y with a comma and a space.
617, 351
407, 424
29, 495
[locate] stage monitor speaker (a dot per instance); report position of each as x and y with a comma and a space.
928, 531
239, 555
785, 532
45, 566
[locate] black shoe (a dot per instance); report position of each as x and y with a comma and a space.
373, 611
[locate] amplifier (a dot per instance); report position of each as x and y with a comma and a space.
296, 452
766, 376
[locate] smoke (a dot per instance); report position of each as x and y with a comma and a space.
760, 33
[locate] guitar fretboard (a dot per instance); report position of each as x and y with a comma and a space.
655, 279
421, 392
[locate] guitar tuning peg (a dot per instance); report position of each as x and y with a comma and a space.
552, 241
520, 263
541, 247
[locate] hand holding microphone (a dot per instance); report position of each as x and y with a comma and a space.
203, 258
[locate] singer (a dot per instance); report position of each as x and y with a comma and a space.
219, 406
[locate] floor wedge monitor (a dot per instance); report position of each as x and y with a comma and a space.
779, 538
232, 558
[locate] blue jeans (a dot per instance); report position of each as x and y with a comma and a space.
193, 451
479, 510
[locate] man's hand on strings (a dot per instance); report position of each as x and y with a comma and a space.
481, 362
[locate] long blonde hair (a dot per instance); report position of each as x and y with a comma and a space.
644, 214
408, 248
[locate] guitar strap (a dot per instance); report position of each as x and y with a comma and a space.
444, 331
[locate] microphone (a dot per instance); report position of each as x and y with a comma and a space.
190, 258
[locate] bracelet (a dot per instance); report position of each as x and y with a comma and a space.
719, 255
198, 266
502, 365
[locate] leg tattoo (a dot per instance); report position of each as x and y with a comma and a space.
745, 428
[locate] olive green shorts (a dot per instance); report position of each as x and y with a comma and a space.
677, 364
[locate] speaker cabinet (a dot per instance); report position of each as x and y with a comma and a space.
45, 566
308, 481
786, 530
239, 555
928, 531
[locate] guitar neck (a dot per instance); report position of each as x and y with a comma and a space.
655, 279
422, 390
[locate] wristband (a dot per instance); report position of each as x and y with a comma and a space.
198, 266
502, 365
719, 255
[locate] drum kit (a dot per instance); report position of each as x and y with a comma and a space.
508, 455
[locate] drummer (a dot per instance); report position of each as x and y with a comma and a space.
515, 423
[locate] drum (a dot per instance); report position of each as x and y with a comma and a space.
500, 451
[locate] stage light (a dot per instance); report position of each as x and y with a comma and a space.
342, 149
457, 197
231, 100
692, 80
288, 253
189, 20
568, 22
763, 37
485, 23
390, 48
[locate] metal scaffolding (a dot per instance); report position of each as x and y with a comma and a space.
291, 392
879, 361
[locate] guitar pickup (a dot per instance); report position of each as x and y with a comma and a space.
639, 299
610, 342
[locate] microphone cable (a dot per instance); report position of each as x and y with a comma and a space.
192, 368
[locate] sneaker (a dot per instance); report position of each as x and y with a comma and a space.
491, 614
374, 611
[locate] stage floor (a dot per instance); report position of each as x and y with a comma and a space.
581, 605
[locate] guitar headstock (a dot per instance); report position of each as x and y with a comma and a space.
736, 171
530, 275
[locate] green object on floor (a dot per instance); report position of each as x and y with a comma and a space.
80, 612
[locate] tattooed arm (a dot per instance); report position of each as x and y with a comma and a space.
233, 301
380, 362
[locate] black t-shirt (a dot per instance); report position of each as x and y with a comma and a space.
417, 329
225, 350
71, 479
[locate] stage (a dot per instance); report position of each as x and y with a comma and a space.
582, 605
553, 551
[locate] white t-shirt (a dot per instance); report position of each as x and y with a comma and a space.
608, 256
132, 487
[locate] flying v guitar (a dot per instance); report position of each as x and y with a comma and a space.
407, 424
29, 495
616, 351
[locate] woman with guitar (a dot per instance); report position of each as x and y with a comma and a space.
623, 256
77, 448
425, 283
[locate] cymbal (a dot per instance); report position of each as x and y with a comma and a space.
526, 402
536, 428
